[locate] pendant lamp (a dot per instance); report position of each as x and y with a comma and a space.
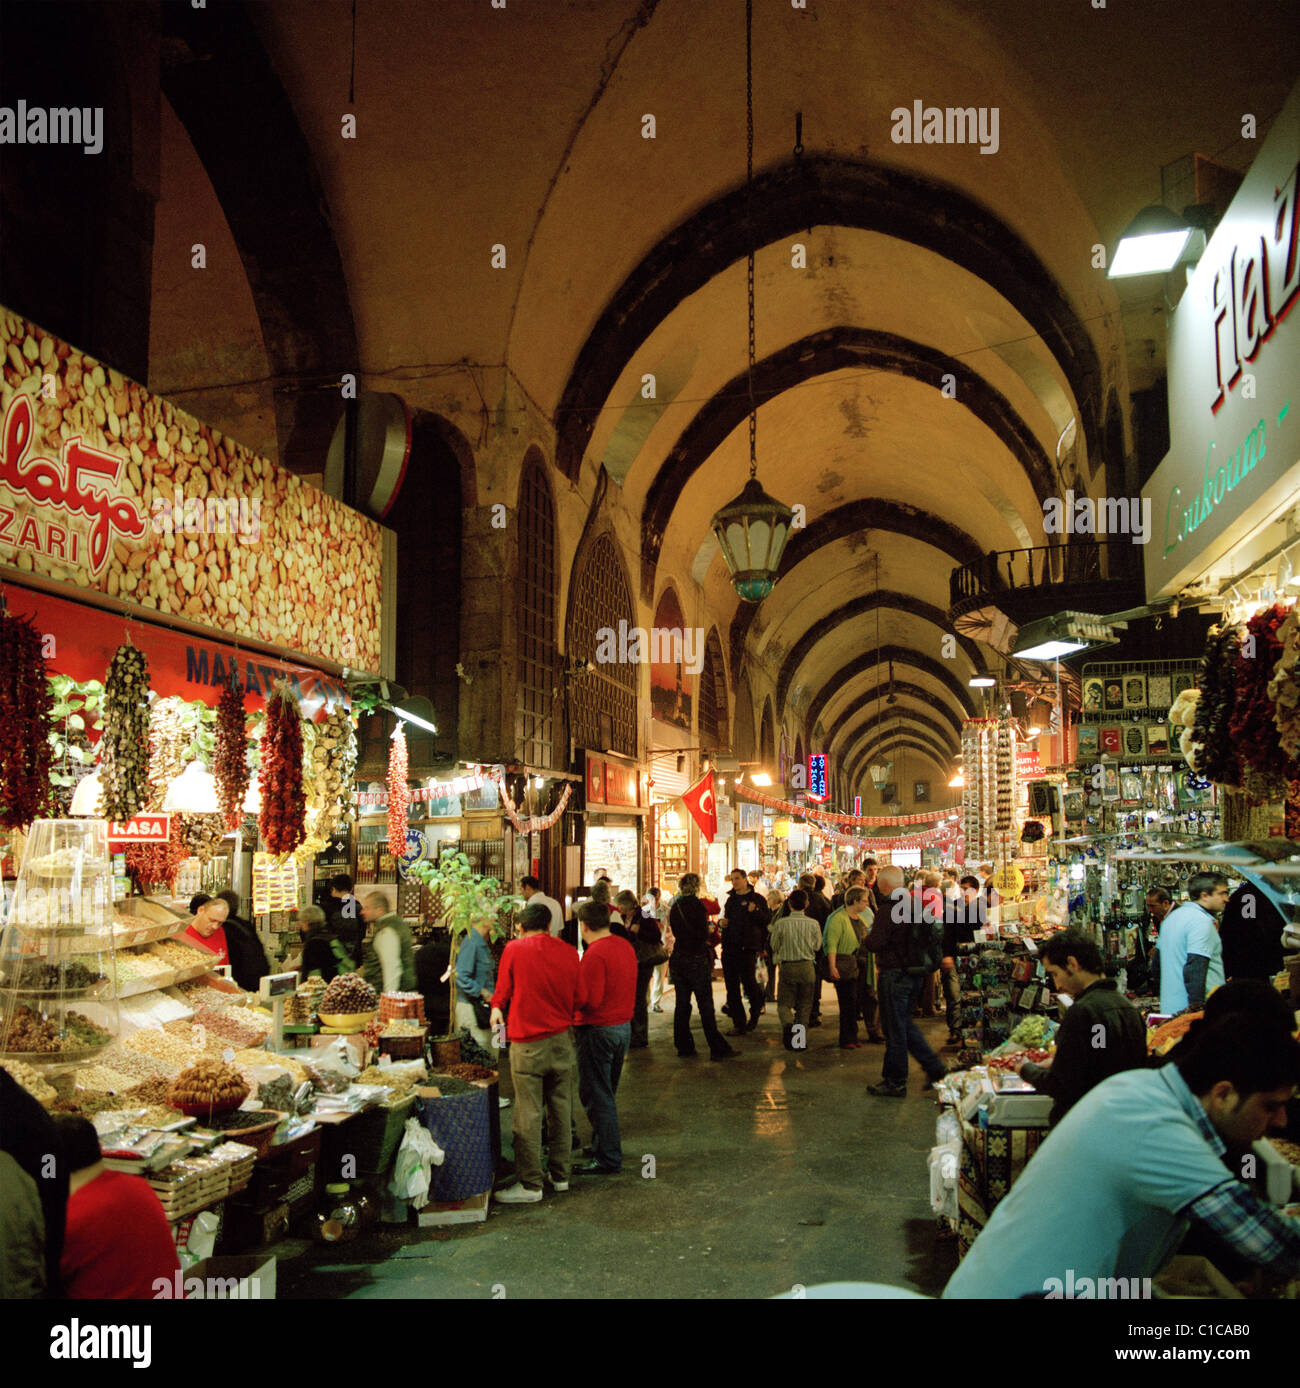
194, 791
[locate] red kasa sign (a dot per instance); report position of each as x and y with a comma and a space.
80, 488
144, 828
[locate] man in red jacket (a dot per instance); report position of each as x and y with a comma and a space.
606, 1001
538, 978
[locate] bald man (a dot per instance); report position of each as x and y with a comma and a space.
907, 945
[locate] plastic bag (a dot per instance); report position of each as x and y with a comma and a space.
944, 1163
332, 1068
416, 1158
760, 973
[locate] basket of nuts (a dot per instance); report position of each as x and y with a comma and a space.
207, 1087
348, 1005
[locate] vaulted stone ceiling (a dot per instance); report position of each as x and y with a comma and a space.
915, 372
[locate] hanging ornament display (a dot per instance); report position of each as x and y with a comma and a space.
280, 779
230, 757
398, 766
124, 747
25, 705
1216, 756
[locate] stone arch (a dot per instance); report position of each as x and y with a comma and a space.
767, 738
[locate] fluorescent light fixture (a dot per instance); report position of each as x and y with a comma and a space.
410, 717
194, 791
982, 682
87, 797
1033, 732
1155, 241
1064, 634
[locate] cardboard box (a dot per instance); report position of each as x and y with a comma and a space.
474, 1210
247, 1277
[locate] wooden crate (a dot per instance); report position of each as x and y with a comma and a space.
473, 1210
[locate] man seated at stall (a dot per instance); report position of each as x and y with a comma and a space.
1139, 1160
1101, 1033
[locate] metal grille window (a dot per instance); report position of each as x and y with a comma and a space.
715, 732
538, 658
604, 702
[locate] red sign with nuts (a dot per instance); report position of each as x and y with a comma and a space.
107, 488
143, 828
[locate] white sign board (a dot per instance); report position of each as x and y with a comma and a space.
1234, 366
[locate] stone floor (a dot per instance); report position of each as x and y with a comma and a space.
769, 1171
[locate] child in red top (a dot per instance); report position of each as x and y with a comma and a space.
118, 1244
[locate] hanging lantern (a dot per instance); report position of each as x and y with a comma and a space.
753, 527
879, 773
751, 531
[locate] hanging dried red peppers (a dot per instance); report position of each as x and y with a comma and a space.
398, 765
25, 705
284, 805
1252, 727
230, 756
152, 864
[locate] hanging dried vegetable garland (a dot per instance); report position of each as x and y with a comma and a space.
333, 765
25, 704
125, 743
1252, 728
202, 834
230, 758
1284, 687
152, 863
1217, 758
280, 779
168, 739
398, 765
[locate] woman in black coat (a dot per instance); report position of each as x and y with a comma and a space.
248, 961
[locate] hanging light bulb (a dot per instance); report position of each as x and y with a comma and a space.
194, 791
88, 796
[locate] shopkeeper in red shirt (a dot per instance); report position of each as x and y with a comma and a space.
606, 1001
118, 1244
207, 929
538, 980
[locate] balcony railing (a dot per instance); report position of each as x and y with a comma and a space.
1078, 564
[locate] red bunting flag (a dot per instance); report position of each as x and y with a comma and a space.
703, 806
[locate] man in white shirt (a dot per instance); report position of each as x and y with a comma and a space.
531, 891
1189, 950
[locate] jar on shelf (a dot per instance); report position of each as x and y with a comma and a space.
339, 1216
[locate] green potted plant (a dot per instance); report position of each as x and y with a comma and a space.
462, 897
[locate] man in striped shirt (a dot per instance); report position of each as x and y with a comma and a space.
795, 940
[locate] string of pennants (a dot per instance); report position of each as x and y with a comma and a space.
830, 817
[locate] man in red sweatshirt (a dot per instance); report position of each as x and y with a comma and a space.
606, 1001
538, 978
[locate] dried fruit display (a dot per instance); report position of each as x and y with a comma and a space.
1284, 687
126, 734
32, 1081
398, 765
230, 760
283, 802
201, 834
1216, 758
25, 704
1252, 728
208, 1082
333, 764
348, 994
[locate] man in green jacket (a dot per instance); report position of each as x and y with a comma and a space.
389, 964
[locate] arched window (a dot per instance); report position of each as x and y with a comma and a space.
535, 697
604, 701
767, 739
715, 725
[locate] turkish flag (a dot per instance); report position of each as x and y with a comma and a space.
703, 806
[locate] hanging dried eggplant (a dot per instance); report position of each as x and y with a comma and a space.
1217, 758
125, 762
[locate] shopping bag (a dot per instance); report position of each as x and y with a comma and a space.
760, 973
416, 1158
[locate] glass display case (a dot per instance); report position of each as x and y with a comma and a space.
58, 983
